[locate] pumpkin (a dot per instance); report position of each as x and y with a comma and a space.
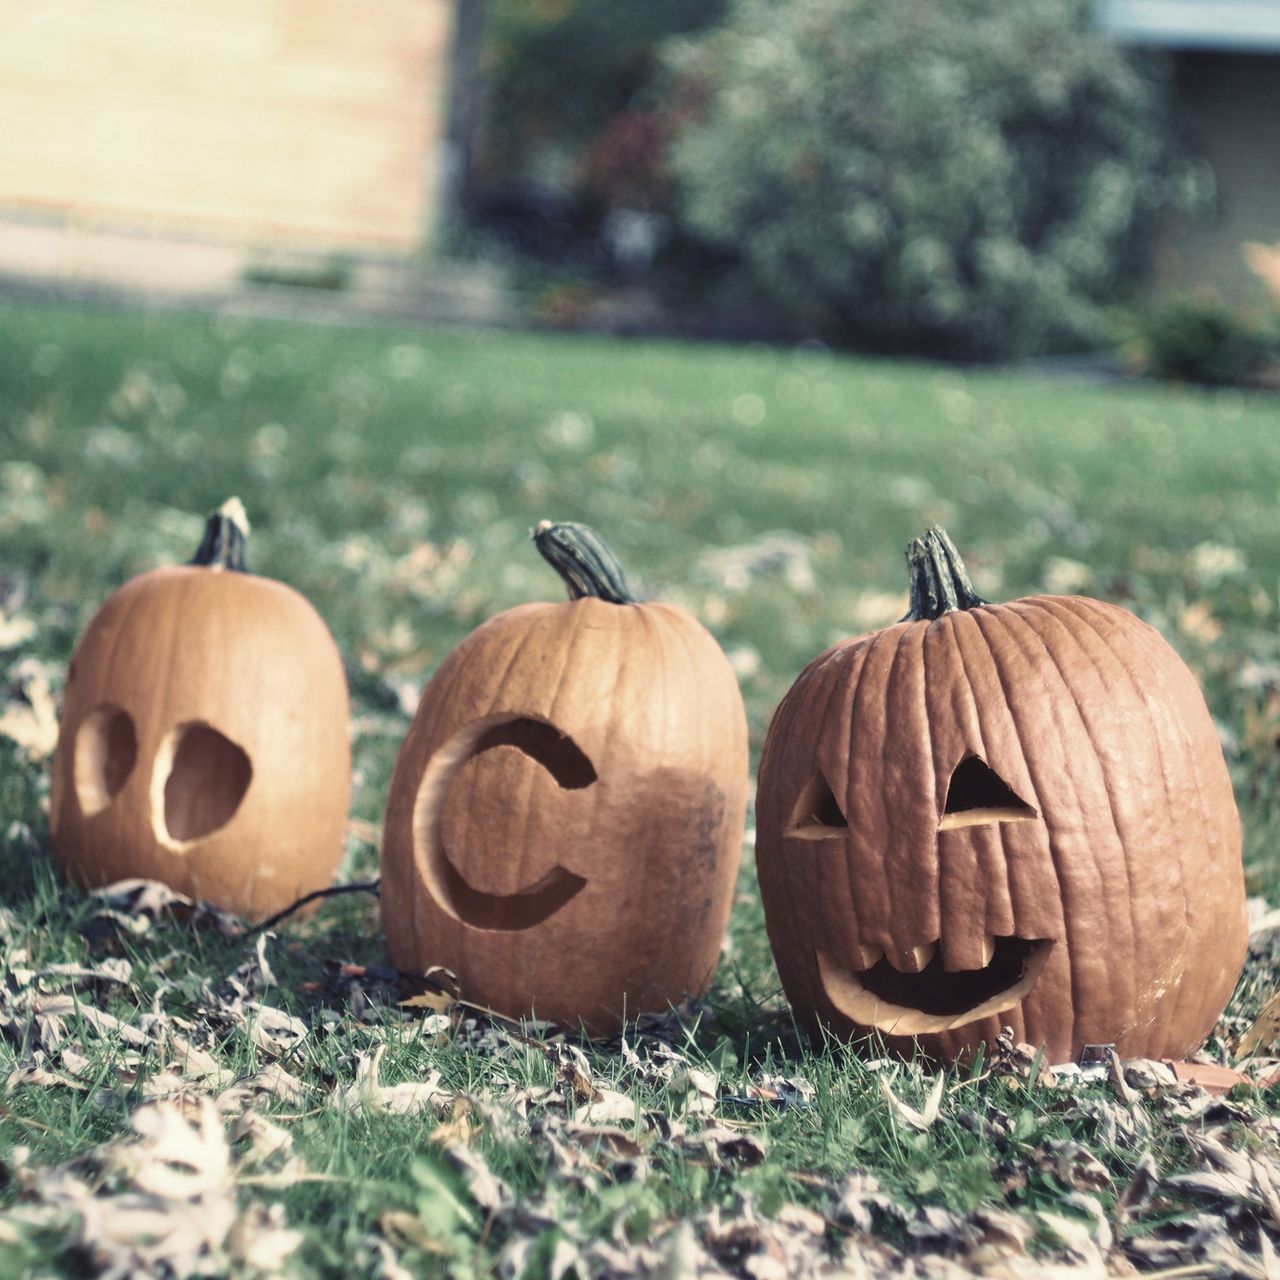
203, 739
565, 819
996, 815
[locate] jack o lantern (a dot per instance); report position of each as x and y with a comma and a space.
565, 820
997, 815
203, 739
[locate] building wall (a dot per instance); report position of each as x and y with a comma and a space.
1228, 112
309, 122
1194, 24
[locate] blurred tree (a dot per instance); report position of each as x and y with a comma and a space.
570, 91
972, 178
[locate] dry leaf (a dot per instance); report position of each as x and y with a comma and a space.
266, 1138
273, 1030
909, 1115
436, 1001
15, 631
404, 1099
402, 1228
727, 1146
460, 1129
614, 1141
259, 1240
33, 722
609, 1107
1141, 1188
1265, 1031
573, 1072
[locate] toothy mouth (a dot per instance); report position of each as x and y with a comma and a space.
934, 998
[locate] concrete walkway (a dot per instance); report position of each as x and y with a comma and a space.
63, 260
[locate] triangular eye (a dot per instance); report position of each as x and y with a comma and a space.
817, 814
977, 795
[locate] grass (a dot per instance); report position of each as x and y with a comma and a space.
392, 476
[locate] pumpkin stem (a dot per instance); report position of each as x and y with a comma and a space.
588, 568
226, 537
939, 581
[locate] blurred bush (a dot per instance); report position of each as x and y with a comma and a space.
572, 96
1201, 340
972, 179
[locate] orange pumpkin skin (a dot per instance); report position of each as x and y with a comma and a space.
565, 820
1116, 859
204, 742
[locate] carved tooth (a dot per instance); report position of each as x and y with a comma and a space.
988, 949
871, 954
918, 957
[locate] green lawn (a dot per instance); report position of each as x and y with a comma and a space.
393, 477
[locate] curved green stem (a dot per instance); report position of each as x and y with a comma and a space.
586, 566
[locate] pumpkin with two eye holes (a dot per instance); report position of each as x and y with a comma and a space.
996, 815
565, 819
203, 739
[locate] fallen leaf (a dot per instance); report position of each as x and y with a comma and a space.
609, 1107
404, 1099
436, 1001
909, 1115
1265, 1031
461, 1128
31, 722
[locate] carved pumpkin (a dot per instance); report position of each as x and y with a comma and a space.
565, 819
203, 739
992, 815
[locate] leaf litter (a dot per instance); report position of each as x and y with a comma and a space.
188, 1191
185, 1193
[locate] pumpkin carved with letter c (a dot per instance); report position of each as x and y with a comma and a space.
565, 820
1002, 815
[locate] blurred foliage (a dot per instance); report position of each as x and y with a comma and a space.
575, 76
970, 179
1194, 339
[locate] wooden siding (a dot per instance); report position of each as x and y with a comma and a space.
1228, 113
266, 121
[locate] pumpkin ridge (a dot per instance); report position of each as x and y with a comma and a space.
992, 617
786, 720
904, 735
924, 653
179, 618
1147, 635
686, 631
659, 698
782, 731
966, 714
1029, 614
961, 623
839, 684
668, 624
553, 715
417, 880
1052, 605
1173, 1007
880, 912
146, 734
